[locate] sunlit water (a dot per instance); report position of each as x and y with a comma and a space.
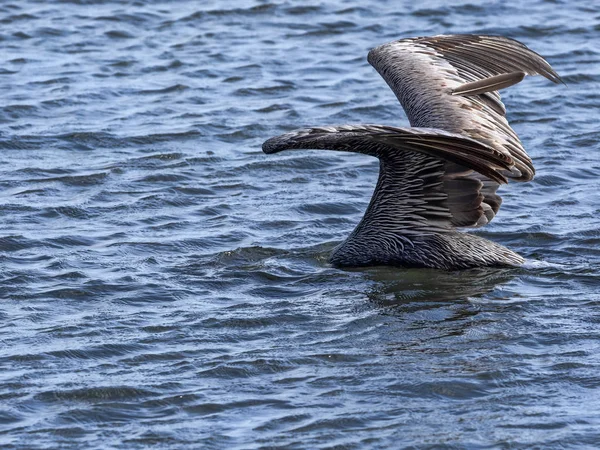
164, 283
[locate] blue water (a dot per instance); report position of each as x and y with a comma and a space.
165, 284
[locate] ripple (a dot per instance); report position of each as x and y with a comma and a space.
164, 283
167, 90
118, 34
97, 393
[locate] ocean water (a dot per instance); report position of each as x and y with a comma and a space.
165, 284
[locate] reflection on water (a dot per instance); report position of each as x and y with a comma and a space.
401, 286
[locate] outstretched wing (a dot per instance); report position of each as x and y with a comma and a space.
426, 178
450, 82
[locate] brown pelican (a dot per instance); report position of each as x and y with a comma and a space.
442, 173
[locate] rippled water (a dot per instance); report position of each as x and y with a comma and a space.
165, 284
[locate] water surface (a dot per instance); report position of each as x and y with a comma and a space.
163, 283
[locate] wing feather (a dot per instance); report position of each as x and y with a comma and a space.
490, 84
434, 175
424, 73
444, 171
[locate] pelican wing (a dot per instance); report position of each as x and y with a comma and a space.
428, 178
450, 82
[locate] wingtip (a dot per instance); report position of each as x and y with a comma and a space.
270, 146
372, 55
553, 76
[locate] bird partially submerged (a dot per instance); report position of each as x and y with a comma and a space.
442, 173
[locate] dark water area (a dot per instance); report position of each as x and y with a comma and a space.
165, 284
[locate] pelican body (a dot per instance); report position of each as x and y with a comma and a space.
440, 174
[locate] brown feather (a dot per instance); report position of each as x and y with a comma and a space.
494, 83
